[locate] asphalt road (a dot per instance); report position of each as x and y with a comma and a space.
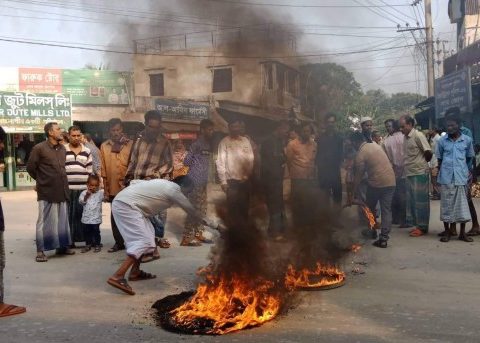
417, 290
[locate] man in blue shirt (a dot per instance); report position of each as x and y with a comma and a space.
475, 230
454, 152
198, 162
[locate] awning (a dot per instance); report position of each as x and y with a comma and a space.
428, 102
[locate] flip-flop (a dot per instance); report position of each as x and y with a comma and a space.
416, 233
142, 276
473, 233
163, 243
42, 258
12, 310
121, 284
465, 238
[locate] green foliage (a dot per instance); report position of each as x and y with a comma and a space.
329, 87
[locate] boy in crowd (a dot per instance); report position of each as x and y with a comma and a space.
91, 199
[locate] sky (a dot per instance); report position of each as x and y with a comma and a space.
355, 33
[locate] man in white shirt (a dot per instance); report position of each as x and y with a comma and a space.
235, 167
393, 145
132, 209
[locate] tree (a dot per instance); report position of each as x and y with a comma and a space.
327, 87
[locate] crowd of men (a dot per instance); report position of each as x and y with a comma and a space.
394, 176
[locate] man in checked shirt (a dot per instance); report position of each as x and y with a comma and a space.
151, 158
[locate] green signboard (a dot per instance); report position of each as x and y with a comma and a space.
96, 87
28, 112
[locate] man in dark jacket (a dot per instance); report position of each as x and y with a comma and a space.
272, 172
47, 166
329, 160
5, 309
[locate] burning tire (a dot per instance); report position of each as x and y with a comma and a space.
323, 277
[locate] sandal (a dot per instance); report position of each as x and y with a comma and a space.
465, 238
416, 233
11, 310
149, 258
142, 276
98, 248
190, 242
163, 243
41, 258
121, 284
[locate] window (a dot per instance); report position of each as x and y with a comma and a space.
156, 85
268, 76
222, 80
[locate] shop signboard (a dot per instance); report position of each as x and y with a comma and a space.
28, 112
182, 110
453, 90
40, 80
96, 87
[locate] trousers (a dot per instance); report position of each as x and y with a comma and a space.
383, 195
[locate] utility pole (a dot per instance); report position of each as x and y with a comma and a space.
429, 43
430, 62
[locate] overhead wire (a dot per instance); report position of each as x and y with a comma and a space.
397, 10
375, 11
295, 6
195, 55
383, 10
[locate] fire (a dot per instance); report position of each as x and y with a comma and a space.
323, 276
355, 248
370, 217
229, 304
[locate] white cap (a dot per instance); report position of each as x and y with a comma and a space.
364, 119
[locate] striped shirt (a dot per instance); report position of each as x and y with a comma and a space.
78, 167
150, 159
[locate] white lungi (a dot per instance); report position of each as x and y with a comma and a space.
136, 229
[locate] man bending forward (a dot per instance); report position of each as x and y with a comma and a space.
132, 209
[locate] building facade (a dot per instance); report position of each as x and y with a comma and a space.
240, 73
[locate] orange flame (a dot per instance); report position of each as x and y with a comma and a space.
322, 276
355, 248
232, 304
370, 217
